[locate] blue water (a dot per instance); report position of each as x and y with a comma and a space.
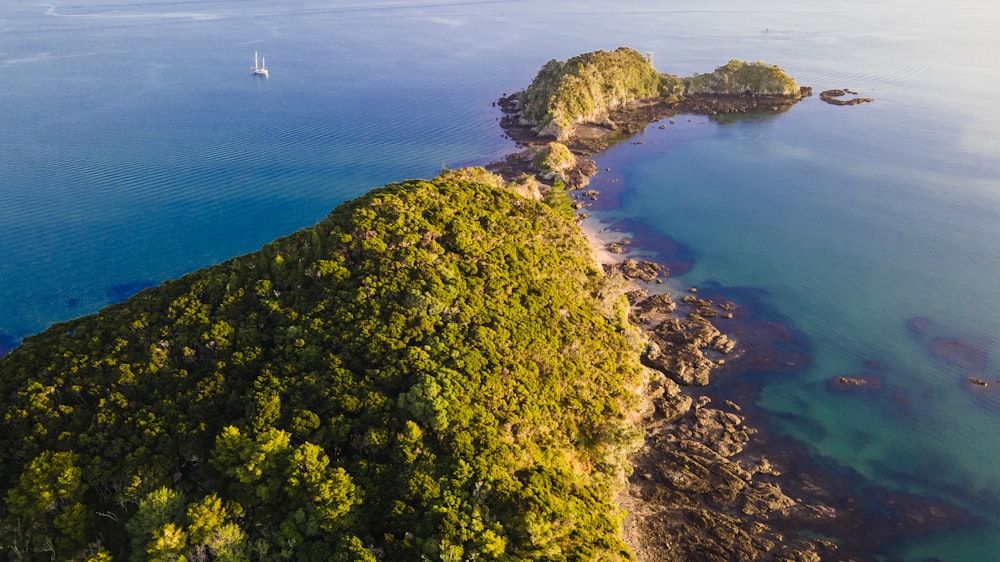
136, 146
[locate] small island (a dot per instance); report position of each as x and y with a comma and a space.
620, 91
595, 99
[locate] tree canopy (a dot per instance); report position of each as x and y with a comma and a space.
437, 369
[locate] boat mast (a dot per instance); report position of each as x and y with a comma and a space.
259, 65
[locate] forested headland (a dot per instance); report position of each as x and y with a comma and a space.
437, 370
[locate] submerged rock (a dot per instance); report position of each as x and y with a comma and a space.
965, 354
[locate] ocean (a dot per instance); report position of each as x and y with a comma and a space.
136, 146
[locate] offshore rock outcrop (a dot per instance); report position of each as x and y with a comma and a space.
835, 97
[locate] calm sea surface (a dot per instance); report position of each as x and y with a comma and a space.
135, 146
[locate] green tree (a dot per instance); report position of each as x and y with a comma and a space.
211, 529
554, 160
46, 513
163, 528
153, 530
326, 492
252, 462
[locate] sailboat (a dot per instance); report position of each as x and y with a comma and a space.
261, 69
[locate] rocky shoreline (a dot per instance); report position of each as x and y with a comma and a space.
633, 116
708, 483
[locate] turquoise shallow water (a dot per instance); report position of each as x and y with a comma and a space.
136, 147
849, 259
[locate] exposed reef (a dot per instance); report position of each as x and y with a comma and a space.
708, 483
866, 381
834, 97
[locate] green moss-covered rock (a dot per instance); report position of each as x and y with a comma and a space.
739, 77
554, 160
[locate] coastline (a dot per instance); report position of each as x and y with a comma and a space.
709, 482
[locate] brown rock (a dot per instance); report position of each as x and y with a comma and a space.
642, 270
656, 305
683, 363
670, 402
855, 382
636, 296
763, 498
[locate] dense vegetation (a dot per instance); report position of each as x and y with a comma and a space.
434, 371
587, 87
738, 77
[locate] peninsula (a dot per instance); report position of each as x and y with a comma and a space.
437, 370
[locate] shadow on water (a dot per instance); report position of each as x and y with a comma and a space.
115, 294
7, 343
122, 291
726, 119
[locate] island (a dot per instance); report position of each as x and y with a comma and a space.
440, 369
595, 99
